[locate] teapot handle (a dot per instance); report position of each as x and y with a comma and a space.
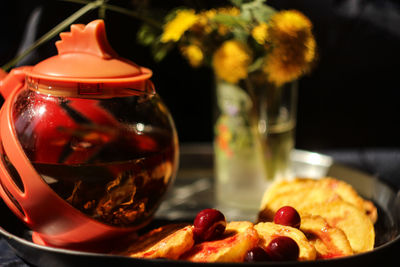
14, 80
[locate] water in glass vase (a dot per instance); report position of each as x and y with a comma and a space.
278, 146
240, 171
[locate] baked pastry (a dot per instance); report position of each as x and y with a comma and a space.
329, 242
239, 237
303, 191
169, 241
351, 220
268, 231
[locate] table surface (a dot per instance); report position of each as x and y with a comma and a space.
382, 163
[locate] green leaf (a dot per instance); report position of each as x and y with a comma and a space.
246, 14
230, 21
172, 14
257, 10
263, 13
160, 50
240, 35
236, 2
160, 54
256, 64
146, 35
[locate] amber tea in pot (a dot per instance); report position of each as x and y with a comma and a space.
88, 149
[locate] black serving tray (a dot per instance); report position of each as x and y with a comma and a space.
193, 191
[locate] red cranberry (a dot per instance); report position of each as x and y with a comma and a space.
256, 254
287, 215
283, 248
209, 224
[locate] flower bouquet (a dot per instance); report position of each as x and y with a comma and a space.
256, 52
237, 40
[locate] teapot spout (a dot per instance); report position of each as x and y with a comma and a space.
14, 80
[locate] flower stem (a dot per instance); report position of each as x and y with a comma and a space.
133, 14
53, 32
121, 10
250, 90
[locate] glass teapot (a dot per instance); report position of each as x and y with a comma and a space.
88, 149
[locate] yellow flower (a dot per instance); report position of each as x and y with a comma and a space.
231, 61
194, 55
202, 24
260, 33
230, 11
293, 47
175, 28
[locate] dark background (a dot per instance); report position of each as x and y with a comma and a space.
349, 106
350, 100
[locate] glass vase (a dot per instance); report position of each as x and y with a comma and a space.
277, 109
239, 164
253, 138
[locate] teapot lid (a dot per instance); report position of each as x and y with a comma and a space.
85, 56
